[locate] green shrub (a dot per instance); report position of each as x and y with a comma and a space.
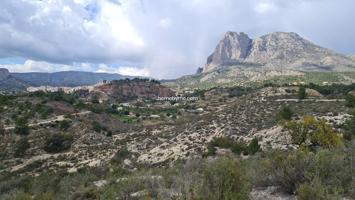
21, 147
96, 126
289, 170
223, 179
253, 147
58, 143
21, 126
317, 132
2, 129
302, 92
285, 113
64, 125
235, 146
349, 132
120, 155
350, 100
315, 190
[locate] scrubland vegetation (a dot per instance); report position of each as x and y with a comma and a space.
318, 167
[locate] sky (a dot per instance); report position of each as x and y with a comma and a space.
155, 38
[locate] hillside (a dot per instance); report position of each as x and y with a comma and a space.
67, 78
10, 83
67, 146
279, 57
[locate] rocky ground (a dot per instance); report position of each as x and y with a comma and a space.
163, 142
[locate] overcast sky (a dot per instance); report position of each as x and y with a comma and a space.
157, 38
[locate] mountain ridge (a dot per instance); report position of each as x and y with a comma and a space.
276, 51
20, 81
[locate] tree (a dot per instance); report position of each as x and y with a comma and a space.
302, 92
21, 126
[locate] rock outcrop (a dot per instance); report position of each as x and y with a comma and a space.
234, 47
276, 51
131, 90
4, 73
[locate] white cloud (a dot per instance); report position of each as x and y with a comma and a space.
66, 31
37, 66
129, 71
265, 7
165, 23
170, 37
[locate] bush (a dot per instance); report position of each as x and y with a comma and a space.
310, 130
43, 111
349, 132
64, 125
223, 179
21, 126
21, 147
302, 92
235, 146
226, 143
285, 113
253, 147
58, 143
350, 101
120, 155
289, 170
2, 129
96, 126
314, 190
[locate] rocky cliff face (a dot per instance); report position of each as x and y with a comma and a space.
234, 47
4, 73
276, 51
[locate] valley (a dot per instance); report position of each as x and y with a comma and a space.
138, 137
264, 118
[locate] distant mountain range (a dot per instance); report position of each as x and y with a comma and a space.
240, 60
19, 81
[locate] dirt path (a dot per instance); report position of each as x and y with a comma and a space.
314, 100
49, 121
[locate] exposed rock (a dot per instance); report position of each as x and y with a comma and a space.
270, 193
276, 51
132, 90
4, 73
232, 48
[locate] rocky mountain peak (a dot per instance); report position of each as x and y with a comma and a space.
233, 47
275, 51
4, 73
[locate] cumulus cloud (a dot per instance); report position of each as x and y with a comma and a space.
164, 39
42, 66
129, 71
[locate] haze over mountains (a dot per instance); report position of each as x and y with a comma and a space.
276, 51
19, 81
